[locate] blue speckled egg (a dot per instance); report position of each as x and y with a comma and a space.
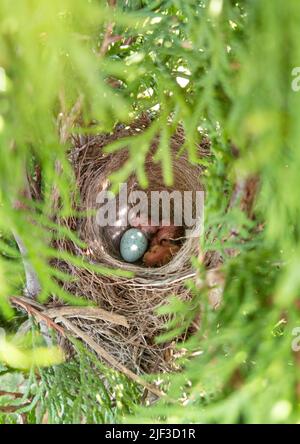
133, 245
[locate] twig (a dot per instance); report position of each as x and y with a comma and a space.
14, 394
12, 408
69, 311
108, 358
67, 119
108, 36
108, 39
244, 194
38, 315
31, 302
87, 313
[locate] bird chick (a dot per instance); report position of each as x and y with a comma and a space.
166, 233
159, 255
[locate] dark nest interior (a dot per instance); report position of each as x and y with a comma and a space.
136, 299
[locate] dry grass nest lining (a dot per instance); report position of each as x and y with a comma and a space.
136, 298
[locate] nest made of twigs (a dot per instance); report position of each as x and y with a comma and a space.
137, 298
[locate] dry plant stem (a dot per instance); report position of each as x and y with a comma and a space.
68, 311
108, 358
108, 36
108, 39
244, 194
12, 409
13, 394
68, 119
31, 302
37, 314
87, 313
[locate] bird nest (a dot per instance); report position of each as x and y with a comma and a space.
128, 332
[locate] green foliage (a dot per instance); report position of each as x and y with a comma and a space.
219, 68
17, 353
79, 391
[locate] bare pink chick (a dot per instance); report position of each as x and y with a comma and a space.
159, 255
167, 233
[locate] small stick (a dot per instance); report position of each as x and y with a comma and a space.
40, 316
14, 394
108, 358
87, 313
12, 408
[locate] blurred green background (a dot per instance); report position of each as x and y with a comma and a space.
222, 69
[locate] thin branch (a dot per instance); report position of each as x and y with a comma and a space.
108, 358
244, 194
87, 313
109, 38
13, 394
37, 314
12, 408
